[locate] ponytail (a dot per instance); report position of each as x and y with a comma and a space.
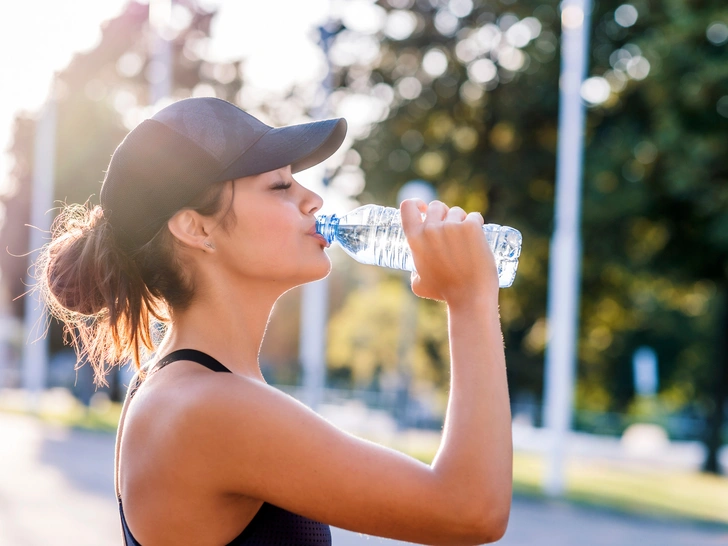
107, 296
97, 291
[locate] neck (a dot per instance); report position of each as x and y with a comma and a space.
226, 323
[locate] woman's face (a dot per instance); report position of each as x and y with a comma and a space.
272, 237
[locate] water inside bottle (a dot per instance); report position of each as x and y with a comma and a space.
382, 245
507, 272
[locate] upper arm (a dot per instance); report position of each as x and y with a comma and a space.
266, 445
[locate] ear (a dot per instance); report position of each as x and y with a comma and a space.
190, 228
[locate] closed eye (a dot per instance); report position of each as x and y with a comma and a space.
281, 186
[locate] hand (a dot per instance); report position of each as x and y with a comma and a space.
453, 259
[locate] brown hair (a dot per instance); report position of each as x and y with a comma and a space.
108, 297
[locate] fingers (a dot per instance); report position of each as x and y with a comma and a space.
411, 211
475, 217
415, 213
456, 214
446, 248
436, 212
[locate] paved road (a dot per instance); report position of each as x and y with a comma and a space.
56, 489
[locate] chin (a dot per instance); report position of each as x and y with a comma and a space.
322, 271
313, 272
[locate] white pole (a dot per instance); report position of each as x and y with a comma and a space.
565, 257
159, 72
408, 322
315, 297
35, 355
312, 344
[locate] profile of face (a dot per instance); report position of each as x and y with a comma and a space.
272, 238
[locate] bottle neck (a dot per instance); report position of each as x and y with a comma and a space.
326, 225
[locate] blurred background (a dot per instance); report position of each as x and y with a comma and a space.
458, 99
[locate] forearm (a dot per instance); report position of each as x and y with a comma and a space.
475, 455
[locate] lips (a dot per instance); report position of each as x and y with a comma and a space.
313, 233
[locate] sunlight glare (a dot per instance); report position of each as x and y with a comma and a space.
38, 38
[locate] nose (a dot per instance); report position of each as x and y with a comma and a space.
311, 202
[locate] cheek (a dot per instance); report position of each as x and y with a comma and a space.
275, 235
269, 240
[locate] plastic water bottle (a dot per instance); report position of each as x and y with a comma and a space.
373, 235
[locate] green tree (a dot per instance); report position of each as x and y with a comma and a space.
656, 200
472, 109
366, 336
471, 95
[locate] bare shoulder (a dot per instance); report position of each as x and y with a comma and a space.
217, 409
191, 396
193, 408
199, 398
226, 427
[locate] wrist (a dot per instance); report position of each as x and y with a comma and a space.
474, 302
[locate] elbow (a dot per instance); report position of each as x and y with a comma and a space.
492, 528
488, 524
469, 515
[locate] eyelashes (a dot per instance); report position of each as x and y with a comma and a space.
281, 186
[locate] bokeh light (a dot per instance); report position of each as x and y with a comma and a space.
717, 33
400, 24
645, 152
435, 62
638, 67
626, 15
409, 87
722, 106
351, 48
446, 23
595, 90
460, 8
363, 16
482, 71
401, 4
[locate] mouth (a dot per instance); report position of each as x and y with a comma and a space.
316, 235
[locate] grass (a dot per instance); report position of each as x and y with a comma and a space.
87, 418
60, 408
666, 493
636, 489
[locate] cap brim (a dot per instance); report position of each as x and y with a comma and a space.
301, 146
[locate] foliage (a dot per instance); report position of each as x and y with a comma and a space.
470, 90
469, 137
368, 345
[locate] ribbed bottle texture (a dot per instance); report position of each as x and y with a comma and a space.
373, 235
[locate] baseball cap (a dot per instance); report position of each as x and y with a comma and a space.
169, 159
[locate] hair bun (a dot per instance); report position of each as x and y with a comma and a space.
78, 271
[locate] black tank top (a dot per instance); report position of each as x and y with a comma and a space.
271, 526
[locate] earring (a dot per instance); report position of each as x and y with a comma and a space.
209, 245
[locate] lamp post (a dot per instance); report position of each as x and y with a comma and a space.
35, 354
159, 70
565, 255
315, 295
408, 321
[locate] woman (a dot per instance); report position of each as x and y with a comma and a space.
202, 227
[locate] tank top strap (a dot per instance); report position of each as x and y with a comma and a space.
191, 355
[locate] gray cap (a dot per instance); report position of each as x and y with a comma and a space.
169, 159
